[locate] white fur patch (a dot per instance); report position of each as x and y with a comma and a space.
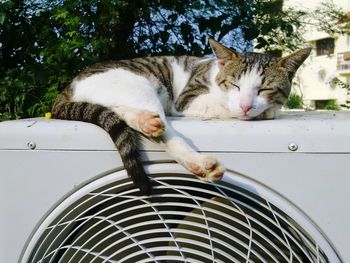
248, 84
180, 78
117, 87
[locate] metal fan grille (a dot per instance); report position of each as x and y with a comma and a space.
185, 220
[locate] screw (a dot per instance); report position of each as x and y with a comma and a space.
31, 145
293, 147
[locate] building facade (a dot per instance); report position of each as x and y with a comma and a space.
329, 59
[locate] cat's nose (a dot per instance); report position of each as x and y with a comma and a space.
246, 108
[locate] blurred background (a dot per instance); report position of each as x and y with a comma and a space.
44, 44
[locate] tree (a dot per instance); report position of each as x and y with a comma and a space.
43, 44
329, 18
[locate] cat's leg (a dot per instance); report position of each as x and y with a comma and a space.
270, 113
151, 122
147, 122
205, 167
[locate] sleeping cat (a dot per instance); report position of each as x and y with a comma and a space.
132, 97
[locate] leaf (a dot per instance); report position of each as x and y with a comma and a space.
173, 17
70, 33
2, 18
186, 29
235, 22
197, 50
202, 24
290, 30
61, 14
251, 33
261, 43
266, 28
164, 35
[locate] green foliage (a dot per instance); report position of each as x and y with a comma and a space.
332, 105
328, 17
279, 29
327, 105
294, 101
43, 44
345, 86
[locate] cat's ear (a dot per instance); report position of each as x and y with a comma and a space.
222, 53
293, 61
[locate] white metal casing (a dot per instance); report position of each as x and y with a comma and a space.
65, 155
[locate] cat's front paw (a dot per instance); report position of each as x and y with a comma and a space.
207, 168
151, 124
269, 114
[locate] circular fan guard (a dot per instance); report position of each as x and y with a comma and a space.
185, 220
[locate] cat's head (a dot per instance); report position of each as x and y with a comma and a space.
255, 82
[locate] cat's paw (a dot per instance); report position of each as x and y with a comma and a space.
268, 114
151, 124
207, 168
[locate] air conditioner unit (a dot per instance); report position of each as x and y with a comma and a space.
65, 196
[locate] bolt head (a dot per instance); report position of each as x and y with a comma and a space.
293, 147
31, 145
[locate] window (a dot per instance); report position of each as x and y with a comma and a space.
326, 105
325, 46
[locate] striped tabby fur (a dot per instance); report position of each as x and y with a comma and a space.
130, 97
125, 138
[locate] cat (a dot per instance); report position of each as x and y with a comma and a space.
132, 97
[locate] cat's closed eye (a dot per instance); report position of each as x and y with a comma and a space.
264, 89
229, 84
236, 86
